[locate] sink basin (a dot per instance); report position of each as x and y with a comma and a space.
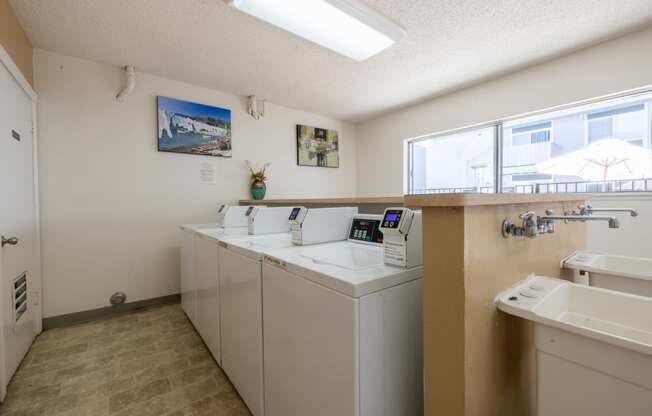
621, 273
616, 318
593, 346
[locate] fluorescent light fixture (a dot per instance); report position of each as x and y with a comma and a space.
347, 27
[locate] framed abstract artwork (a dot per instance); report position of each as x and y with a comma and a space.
317, 147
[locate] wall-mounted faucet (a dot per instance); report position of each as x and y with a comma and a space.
613, 221
532, 224
589, 210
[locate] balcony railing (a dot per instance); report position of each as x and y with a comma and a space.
628, 185
472, 189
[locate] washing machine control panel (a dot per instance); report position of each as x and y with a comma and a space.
294, 213
366, 229
401, 229
392, 218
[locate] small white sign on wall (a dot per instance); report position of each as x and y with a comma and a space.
207, 174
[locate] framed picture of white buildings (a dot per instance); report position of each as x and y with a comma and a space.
198, 129
317, 147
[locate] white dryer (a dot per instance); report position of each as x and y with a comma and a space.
342, 330
241, 297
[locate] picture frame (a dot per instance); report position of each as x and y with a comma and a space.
317, 147
193, 128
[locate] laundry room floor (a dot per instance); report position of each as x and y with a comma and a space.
147, 363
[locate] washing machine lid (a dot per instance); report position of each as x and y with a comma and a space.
353, 269
197, 227
345, 256
220, 232
255, 246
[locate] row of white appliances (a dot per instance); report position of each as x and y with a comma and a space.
342, 330
241, 292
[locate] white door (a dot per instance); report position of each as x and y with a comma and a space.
206, 281
241, 329
18, 257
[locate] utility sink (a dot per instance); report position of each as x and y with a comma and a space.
593, 345
621, 273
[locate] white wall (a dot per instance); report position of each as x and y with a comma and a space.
111, 203
611, 67
634, 237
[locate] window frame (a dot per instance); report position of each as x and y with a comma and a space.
498, 125
408, 171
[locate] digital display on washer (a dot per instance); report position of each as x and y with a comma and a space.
249, 211
221, 208
366, 230
392, 218
294, 214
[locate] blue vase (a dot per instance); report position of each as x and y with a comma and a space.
258, 190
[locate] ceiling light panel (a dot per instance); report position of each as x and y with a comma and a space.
344, 26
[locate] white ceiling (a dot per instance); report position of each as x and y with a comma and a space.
449, 44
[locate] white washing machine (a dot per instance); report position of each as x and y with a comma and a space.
341, 329
241, 299
199, 270
187, 284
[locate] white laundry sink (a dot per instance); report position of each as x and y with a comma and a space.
621, 273
594, 346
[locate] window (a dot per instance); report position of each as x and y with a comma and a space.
625, 123
602, 146
601, 128
458, 162
536, 133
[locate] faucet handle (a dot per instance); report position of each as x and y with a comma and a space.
550, 212
527, 215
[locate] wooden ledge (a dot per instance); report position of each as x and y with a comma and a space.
385, 200
477, 199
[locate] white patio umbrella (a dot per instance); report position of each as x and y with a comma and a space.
603, 160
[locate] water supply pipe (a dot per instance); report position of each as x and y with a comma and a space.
130, 83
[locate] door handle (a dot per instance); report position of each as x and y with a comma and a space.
12, 241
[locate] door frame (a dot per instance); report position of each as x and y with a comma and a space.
37, 277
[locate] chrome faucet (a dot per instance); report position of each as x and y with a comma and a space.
589, 210
613, 221
533, 225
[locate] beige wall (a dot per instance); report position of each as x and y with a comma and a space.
610, 67
477, 360
111, 203
15, 42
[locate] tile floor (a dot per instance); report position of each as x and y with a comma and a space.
148, 363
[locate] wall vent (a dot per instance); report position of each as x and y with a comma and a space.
20, 296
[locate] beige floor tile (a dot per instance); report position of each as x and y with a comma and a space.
149, 362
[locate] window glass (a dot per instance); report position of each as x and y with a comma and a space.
540, 136
459, 162
599, 147
601, 128
603, 147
